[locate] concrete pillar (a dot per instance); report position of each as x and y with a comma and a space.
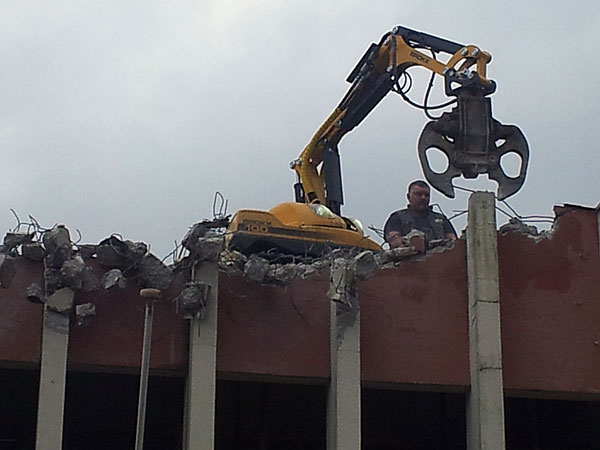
53, 370
485, 403
343, 408
199, 428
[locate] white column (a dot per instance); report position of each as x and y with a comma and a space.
199, 428
485, 403
53, 370
343, 408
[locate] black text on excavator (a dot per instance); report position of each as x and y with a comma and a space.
472, 140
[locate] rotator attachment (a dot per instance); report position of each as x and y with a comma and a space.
472, 140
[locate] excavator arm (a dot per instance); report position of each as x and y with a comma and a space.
472, 140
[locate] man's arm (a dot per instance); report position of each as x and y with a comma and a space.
392, 230
449, 231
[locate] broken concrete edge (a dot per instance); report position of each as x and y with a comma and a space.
515, 225
75, 274
65, 261
363, 263
125, 260
61, 301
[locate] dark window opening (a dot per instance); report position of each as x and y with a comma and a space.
100, 413
266, 416
532, 424
412, 420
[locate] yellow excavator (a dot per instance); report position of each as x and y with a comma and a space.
471, 139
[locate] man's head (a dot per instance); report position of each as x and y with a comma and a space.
418, 196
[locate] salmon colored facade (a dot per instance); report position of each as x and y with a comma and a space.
414, 330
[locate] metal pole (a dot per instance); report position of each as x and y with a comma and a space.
150, 295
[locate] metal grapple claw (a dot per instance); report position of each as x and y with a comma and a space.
474, 143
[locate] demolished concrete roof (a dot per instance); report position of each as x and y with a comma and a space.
123, 261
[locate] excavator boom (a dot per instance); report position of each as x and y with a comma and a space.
472, 140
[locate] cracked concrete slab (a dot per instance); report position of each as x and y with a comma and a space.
114, 253
72, 273
61, 301
13, 240
35, 293
366, 265
193, 298
153, 273
84, 314
114, 278
256, 268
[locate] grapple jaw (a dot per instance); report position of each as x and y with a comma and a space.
474, 143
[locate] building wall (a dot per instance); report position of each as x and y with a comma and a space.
413, 321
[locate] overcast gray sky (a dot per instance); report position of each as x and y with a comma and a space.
126, 116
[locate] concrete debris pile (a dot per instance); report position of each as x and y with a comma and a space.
515, 225
265, 270
192, 299
66, 268
204, 243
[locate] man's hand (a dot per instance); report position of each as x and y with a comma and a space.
394, 238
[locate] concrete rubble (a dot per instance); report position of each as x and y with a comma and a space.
203, 242
256, 268
84, 314
71, 272
342, 281
153, 273
61, 301
530, 231
517, 226
114, 253
12, 241
66, 268
35, 293
124, 262
192, 300
416, 239
114, 278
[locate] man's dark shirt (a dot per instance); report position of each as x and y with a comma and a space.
434, 225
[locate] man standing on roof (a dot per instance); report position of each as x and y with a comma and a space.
418, 215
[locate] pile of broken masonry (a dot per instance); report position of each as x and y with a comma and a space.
66, 268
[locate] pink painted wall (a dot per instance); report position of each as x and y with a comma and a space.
413, 320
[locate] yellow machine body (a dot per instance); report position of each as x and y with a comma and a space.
294, 228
